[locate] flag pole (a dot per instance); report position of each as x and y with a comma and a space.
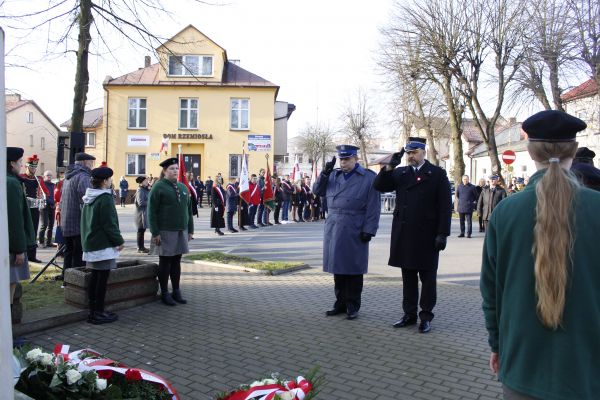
239, 206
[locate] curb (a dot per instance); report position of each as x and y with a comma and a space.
246, 269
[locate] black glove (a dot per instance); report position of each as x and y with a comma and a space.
396, 159
329, 166
440, 242
365, 237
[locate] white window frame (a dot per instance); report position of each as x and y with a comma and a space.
189, 110
138, 108
183, 71
239, 111
138, 170
29, 117
90, 139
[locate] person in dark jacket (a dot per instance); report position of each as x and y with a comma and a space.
141, 215
172, 227
353, 220
21, 234
300, 200
584, 170
209, 186
286, 196
77, 180
420, 227
232, 204
200, 188
101, 241
278, 192
123, 190
479, 189
47, 213
217, 213
489, 198
466, 193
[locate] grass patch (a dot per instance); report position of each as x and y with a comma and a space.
44, 292
217, 256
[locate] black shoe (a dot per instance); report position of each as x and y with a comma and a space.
98, 318
405, 321
167, 299
218, 232
143, 250
243, 229
334, 311
352, 315
424, 326
469, 236
277, 223
36, 260
177, 297
481, 230
261, 224
461, 235
233, 230
253, 227
269, 224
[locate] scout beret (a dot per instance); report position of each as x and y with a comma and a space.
584, 152
14, 153
102, 172
84, 157
415, 143
140, 179
346, 151
168, 162
552, 126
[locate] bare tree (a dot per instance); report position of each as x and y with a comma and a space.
317, 142
358, 122
586, 15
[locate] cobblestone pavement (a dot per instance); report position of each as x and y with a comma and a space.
239, 327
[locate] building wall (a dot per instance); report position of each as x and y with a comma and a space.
588, 109
29, 136
281, 110
163, 118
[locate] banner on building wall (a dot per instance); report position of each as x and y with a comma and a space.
259, 142
138, 140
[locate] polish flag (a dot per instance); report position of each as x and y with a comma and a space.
296, 175
244, 182
62, 350
183, 179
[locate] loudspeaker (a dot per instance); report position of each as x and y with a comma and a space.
60, 153
77, 145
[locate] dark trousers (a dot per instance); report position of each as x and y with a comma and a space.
481, 227
200, 196
97, 289
348, 290
230, 220
277, 211
285, 210
300, 212
140, 239
410, 288
47, 220
251, 214
73, 252
469, 218
209, 197
169, 267
35, 218
259, 214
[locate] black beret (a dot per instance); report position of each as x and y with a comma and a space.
140, 179
102, 172
14, 153
168, 162
84, 156
584, 152
552, 126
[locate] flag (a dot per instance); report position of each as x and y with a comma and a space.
164, 144
183, 179
268, 197
296, 176
314, 175
244, 183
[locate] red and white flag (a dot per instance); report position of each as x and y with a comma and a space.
183, 179
296, 175
244, 182
62, 350
314, 175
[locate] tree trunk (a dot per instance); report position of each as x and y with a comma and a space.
82, 76
458, 169
554, 85
363, 152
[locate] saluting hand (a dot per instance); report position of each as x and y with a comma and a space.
396, 159
329, 166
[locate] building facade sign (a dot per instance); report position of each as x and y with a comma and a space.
138, 140
197, 136
259, 142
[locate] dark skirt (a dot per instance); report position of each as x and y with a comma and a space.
172, 243
217, 219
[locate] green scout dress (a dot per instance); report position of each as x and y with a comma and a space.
536, 361
20, 228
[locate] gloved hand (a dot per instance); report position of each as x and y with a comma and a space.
440, 242
365, 237
396, 159
329, 166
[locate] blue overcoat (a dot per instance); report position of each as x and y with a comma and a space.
354, 207
467, 198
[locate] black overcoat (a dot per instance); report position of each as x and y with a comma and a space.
423, 211
217, 212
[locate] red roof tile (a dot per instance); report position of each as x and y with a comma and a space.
586, 89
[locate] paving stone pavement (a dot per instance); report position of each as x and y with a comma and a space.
238, 327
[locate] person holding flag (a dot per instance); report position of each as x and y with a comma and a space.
254, 200
268, 195
244, 193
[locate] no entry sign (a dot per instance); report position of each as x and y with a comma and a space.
509, 157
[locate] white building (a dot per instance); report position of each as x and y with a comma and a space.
583, 102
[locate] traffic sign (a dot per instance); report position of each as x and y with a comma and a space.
509, 157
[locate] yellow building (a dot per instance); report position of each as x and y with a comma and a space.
194, 97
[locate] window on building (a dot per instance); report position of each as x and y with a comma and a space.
189, 65
29, 117
31, 140
240, 110
90, 139
235, 165
43, 143
188, 113
136, 164
137, 113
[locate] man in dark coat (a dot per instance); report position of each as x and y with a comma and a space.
232, 204
489, 198
420, 227
583, 168
217, 213
467, 196
209, 186
199, 186
353, 220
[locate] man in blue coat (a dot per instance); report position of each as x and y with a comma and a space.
354, 208
467, 196
420, 227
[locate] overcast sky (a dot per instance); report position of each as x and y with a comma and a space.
318, 51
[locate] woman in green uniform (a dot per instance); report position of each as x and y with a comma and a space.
540, 277
172, 226
21, 235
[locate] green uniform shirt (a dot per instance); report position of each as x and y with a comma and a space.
100, 224
535, 360
167, 213
20, 227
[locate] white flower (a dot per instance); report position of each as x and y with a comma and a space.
263, 382
45, 359
100, 384
286, 396
33, 355
72, 376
